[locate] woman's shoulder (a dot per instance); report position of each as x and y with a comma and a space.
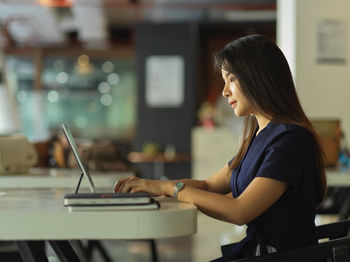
290, 132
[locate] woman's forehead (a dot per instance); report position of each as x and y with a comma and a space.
225, 73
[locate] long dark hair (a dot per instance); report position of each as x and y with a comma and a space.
266, 81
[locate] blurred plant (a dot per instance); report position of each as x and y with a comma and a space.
206, 115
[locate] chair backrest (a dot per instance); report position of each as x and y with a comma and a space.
337, 249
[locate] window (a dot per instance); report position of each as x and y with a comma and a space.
94, 96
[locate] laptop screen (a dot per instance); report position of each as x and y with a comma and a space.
76, 154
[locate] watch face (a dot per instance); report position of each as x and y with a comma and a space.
179, 185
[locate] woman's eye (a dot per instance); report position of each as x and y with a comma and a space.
232, 79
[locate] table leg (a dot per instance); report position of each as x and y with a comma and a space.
32, 251
152, 243
98, 245
64, 251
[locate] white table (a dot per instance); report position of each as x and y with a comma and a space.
30, 216
36, 214
338, 178
32, 210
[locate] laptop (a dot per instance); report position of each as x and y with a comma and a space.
100, 199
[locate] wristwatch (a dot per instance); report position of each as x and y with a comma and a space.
178, 187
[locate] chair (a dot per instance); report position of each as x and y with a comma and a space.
336, 249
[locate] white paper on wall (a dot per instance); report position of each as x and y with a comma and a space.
331, 46
165, 80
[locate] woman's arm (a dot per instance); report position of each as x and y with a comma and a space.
261, 193
218, 183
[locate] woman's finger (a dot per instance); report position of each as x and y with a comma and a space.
117, 186
120, 183
124, 188
128, 186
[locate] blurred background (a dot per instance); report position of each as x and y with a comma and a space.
85, 63
134, 81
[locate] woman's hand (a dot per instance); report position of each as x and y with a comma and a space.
153, 187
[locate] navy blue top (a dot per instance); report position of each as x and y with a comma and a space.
286, 153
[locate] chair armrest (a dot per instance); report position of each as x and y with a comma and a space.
333, 230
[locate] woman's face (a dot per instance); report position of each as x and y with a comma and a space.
232, 92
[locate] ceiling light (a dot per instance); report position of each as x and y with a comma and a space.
56, 3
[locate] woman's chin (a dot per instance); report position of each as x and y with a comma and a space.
237, 113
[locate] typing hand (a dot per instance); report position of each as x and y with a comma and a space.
153, 187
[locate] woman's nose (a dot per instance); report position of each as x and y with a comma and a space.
226, 91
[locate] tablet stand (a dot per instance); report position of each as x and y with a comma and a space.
77, 189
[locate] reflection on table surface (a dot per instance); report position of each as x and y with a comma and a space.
54, 178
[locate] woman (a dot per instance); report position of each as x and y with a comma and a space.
277, 179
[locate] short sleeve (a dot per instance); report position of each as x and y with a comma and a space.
286, 157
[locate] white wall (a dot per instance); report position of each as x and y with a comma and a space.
211, 150
324, 89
